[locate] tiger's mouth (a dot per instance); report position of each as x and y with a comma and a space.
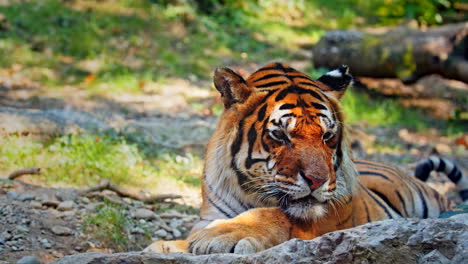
304, 208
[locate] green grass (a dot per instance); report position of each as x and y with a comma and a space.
86, 159
111, 227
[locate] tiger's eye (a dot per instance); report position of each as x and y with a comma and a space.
278, 135
327, 136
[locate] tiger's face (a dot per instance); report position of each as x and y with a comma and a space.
288, 147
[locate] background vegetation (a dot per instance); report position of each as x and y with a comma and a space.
109, 47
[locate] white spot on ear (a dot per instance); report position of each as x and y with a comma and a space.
335, 73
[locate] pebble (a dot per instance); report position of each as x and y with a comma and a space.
85, 200
138, 230
36, 204
22, 229
12, 195
61, 231
52, 203
26, 197
66, 206
176, 233
161, 233
142, 213
175, 223
28, 260
45, 243
6, 235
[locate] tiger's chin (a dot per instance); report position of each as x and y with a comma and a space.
305, 209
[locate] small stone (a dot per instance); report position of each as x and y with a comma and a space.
142, 213
85, 200
12, 195
161, 233
52, 203
175, 223
28, 260
138, 230
22, 229
176, 233
66, 194
26, 197
61, 231
46, 244
66, 206
6, 236
142, 221
36, 205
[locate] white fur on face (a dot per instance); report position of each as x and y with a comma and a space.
295, 190
307, 211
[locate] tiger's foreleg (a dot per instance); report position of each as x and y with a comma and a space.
252, 231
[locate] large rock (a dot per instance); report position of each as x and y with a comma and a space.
390, 241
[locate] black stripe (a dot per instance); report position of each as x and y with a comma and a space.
378, 202
309, 84
235, 147
464, 195
287, 106
402, 201
273, 75
219, 208
261, 113
385, 199
271, 84
369, 219
374, 174
441, 165
302, 77
455, 175
297, 90
423, 200
223, 201
319, 106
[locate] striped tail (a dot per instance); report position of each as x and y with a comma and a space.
424, 168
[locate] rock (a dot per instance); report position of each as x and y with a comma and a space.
28, 260
68, 194
6, 235
51, 203
22, 229
45, 243
175, 223
36, 205
12, 195
176, 233
26, 197
161, 233
61, 231
66, 206
142, 213
389, 241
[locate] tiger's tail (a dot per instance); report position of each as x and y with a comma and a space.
434, 163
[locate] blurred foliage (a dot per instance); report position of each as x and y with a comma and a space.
86, 159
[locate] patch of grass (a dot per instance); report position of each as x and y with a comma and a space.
110, 226
376, 110
86, 159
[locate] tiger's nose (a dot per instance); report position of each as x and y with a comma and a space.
314, 181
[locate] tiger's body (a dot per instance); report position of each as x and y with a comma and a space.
279, 166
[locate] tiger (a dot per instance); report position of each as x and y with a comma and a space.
279, 166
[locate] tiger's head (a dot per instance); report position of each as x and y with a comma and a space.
281, 139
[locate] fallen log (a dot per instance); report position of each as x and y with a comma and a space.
402, 52
107, 185
26, 171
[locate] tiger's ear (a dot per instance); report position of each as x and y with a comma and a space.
337, 80
232, 86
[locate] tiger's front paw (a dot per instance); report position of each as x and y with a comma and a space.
223, 236
174, 246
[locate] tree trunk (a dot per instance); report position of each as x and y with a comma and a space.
401, 52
